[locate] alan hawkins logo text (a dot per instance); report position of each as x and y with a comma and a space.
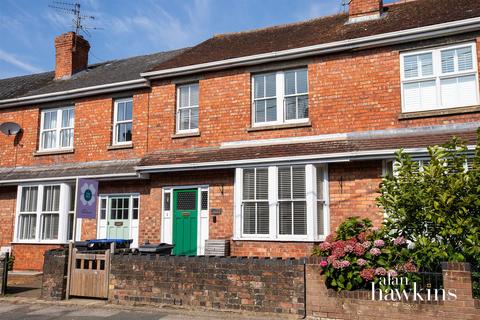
401, 289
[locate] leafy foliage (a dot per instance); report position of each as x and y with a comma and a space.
436, 207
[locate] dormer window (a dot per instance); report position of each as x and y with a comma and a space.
56, 129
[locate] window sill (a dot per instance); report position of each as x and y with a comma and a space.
276, 240
120, 146
185, 135
281, 126
53, 152
438, 113
38, 243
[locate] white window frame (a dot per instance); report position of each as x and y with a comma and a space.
64, 209
190, 107
437, 74
311, 198
115, 141
280, 97
57, 130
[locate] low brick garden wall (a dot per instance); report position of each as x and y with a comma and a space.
54, 280
3, 273
249, 284
325, 304
286, 286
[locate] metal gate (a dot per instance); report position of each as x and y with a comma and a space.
89, 274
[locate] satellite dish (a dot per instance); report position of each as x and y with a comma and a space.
10, 128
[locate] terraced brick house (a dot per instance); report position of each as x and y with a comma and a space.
267, 138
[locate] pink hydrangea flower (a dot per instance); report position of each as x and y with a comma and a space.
330, 238
362, 236
361, 262
348, 248
367, 244
331, 258
409, 267
399, 241
367, 274
392, 273
380, 271
325, 246
337, 264
375, 252
359, 250
379, 243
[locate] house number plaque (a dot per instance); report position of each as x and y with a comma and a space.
216, 211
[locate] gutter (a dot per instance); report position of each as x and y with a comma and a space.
315, 158
109, 177
415, 34
76, 93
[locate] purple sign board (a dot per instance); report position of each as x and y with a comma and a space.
87, 192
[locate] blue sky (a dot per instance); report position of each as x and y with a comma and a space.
136, 27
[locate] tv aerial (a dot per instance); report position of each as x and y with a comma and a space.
78, 18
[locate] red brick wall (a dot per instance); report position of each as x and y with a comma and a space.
30, 256
353, 188
7, 214
271, 249
357, 91
92, 136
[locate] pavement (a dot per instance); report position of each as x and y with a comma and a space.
22, 301
83, 309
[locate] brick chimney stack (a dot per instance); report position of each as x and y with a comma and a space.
71, 55
362, 10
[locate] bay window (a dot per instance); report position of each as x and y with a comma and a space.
280, 97
439, 78
284, 203
56, 129
44, 213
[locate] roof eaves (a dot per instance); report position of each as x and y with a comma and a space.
76, 93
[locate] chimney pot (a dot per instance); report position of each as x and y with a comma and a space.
361, 10
71, 55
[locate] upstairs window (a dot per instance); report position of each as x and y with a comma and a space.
187, 108
439, 78
56, 129
280, 97
123, 121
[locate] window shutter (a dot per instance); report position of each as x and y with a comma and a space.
465, 59
284, 183
320, 201
285, 217
410, 67
298, 182
249, 184
299, 217
263, 218
261, 184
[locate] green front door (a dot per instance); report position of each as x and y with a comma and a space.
118, 218
185, 219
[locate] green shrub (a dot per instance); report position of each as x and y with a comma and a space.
436, 207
